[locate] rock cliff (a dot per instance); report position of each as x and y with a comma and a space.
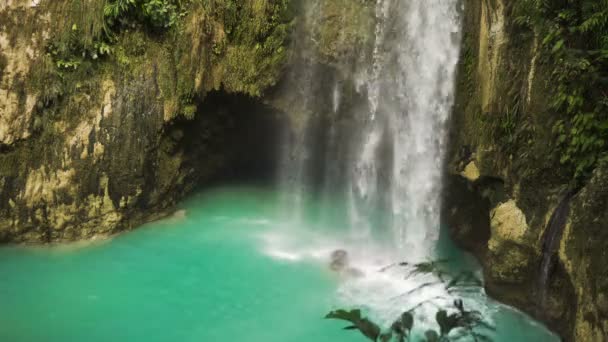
103, 126
507, 179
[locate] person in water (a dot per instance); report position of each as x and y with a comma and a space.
339, 263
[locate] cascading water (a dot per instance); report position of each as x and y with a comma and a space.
375, 158
551, 239
394, 158
392, 161
410, 91
295, 153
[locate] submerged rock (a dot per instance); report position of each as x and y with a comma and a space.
339, 263
338, 260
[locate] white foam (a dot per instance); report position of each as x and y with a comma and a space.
380, 290
255, 221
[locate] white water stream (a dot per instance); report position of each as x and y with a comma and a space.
410, 88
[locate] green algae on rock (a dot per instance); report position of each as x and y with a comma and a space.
503, 123
91, 145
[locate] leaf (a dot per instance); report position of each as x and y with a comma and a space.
368, 328
558, 46
403, 326
344, 315
386, 337
431, 336
407, 320
446, 323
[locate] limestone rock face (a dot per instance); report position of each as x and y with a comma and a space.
508, 245
508, 223
502, 135
584, 254
17, 51
471, 172
107, 143
343, 31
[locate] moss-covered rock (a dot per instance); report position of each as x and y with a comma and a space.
94, 145
503, 124
343, 31
583, 252
508, 243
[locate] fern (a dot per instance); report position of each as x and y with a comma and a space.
575, 33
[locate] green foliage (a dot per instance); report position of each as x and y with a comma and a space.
368, 328
509, 126
70, 53
468, 60
254, 45
575, 33
529, 13
343, 30
455, 326
400, 329
159, 14
80, 40
462, 323
455, 322
114, 10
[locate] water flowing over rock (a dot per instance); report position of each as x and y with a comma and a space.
551, 241
394, 156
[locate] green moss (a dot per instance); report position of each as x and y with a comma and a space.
250, 69
467, 65
249, 47
78, 20
345, 30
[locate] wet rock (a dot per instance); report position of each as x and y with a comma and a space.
338, 260
471, 172
113, 144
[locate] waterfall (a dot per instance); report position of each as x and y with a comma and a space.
410, 91
373, 144
364, 158
394, 158
296, 150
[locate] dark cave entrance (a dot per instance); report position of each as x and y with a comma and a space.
233, 138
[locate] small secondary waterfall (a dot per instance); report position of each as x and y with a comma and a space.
551, 240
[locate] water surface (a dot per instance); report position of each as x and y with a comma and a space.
225, 268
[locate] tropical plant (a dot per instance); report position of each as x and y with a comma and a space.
575, 33
400, 329
161, 14
455, 326
78, 44
452, 327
